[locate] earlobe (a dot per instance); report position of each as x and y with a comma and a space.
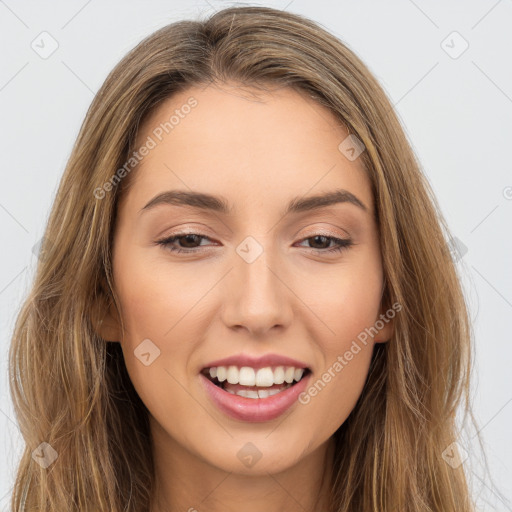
385, 323
105, 319
385, 326
108, 328
385, 333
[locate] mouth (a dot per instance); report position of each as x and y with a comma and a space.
255, 383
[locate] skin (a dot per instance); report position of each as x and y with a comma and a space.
258, 152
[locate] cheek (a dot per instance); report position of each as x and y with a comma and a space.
335, 387
153, 299
158, 306
346, 299
348, 307
333, 393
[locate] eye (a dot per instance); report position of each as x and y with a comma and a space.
340, 243
192, 239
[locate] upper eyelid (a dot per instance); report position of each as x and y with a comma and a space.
318, 232
315, 232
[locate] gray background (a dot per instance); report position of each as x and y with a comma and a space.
455, 105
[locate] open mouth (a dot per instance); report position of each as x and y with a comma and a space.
255, 383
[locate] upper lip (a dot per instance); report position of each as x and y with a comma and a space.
257, 362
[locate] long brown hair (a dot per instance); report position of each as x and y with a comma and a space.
70, 388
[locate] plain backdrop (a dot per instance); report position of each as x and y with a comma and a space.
446, 67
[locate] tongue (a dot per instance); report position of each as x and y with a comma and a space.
238, 387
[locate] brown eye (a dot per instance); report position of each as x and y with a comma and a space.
323, 241
189, 244
190, 240
320, 240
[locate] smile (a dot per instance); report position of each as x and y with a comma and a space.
254, 394
254, 383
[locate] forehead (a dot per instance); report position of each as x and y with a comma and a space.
248, 144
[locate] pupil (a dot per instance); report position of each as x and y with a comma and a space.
188, 239
316, 238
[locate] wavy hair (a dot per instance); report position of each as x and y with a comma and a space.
71, 389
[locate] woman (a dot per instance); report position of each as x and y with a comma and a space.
153, 371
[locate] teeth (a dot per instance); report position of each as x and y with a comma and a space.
221, 373
261, 393
289, 374
232, 375
246, 377
279, 375
297, 375
262, 377
265, 377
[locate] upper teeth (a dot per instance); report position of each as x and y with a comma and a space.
264, 377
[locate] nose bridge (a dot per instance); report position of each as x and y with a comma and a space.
257, 297
255, 266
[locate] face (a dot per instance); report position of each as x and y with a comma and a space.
262, 284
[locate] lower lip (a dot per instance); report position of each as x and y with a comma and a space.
254, 409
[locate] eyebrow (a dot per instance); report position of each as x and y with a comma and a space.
221, 205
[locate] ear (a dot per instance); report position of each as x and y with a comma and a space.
385, 322
104, 316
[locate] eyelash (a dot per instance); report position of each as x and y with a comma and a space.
342, 243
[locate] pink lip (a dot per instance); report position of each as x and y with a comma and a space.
254, 409
257, 362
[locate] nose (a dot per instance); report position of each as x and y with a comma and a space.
256, 296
